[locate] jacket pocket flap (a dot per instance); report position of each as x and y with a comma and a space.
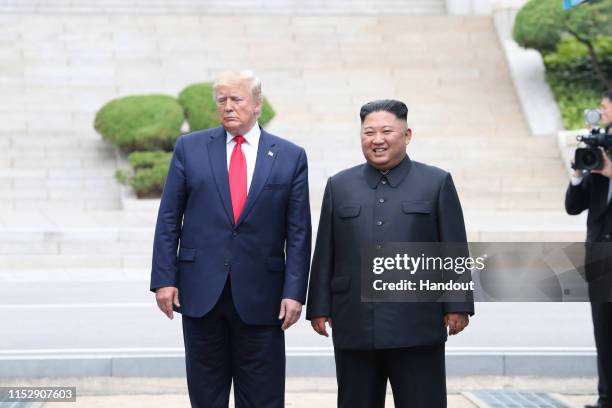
348, 211
340, 284
186, 254
275, 186
420, 207
275, 263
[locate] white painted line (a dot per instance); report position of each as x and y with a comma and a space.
300, 351
94, 350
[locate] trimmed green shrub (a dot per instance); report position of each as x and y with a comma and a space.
572, 102
149, 175
201, 111
538, 25
141, 122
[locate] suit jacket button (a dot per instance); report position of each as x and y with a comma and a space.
379, 223
234, 233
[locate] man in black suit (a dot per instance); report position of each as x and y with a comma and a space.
388, 199
593, 192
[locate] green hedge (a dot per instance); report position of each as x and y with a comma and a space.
149, 172
201, 111
142, 122
570, 75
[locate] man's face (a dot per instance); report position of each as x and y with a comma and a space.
383, 139
237, 108
606, 111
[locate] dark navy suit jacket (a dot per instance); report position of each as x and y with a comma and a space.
267, 251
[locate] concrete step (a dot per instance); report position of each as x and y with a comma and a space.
524, 226
78, 247
84, 183
60, 162
60, 204
283, 7
88, 260
70, 275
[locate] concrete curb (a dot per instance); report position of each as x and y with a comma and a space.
301, 362
527, 72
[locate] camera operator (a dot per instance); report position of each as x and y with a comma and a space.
593, 192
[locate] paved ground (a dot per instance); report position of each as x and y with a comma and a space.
84, 315
301, 392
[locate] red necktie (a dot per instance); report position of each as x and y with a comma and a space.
238, 177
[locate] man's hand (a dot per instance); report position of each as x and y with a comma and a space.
165, 297
456, 322
607, 165
318, 324
290, 311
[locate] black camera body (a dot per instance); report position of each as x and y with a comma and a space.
591, 157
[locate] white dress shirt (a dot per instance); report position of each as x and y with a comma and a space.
249, 147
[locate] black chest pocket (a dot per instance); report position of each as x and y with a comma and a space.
349, 211
416, 207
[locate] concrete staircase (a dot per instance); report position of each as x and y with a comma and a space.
61, 217
56, 170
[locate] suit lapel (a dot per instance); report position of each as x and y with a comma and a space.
266, 154
217, 154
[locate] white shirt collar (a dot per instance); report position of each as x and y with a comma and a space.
251, 137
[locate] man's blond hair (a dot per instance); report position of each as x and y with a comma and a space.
231, 77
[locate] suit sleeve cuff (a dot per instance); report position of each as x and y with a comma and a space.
576, 181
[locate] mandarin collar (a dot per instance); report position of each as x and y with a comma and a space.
394, 176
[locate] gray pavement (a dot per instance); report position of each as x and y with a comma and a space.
114, 328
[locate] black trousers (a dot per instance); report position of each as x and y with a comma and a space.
219, 348
602, 325
417, 376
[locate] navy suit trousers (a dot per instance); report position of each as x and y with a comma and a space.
220, 347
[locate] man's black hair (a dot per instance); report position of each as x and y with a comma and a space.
398, 108
607, 94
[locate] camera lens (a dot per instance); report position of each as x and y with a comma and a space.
589, 159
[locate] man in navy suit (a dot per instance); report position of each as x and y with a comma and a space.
232, 250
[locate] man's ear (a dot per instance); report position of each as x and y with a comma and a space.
258, 107
408, 135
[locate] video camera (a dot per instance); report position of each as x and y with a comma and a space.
590, 158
